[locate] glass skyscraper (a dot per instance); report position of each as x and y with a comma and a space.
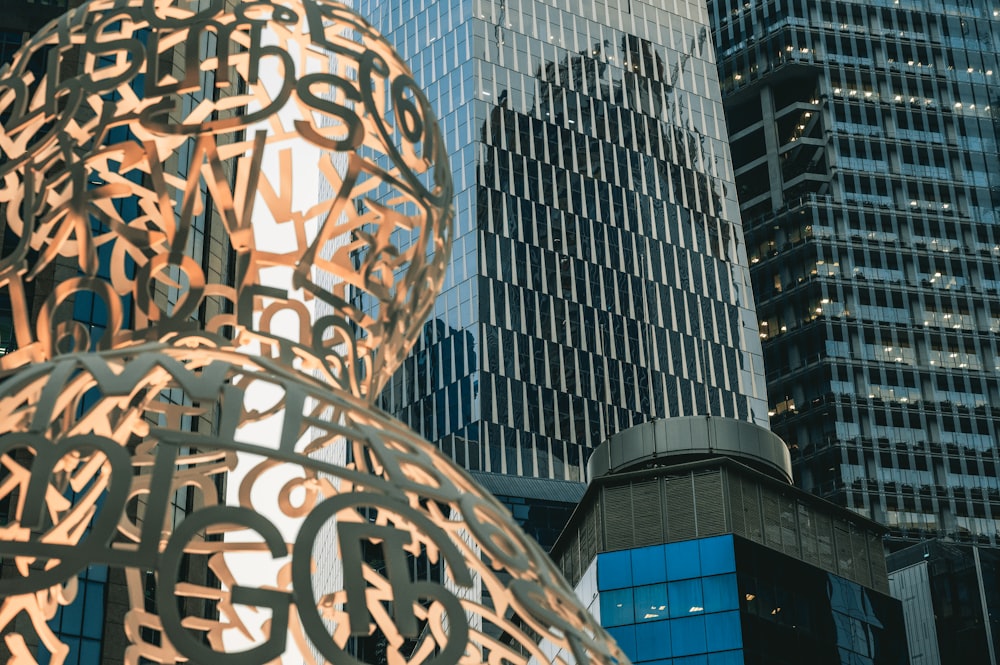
864, 139
599, 277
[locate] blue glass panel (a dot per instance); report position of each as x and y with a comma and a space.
90, 652
726, 658
683, 560
649, 565
723, 631
652, 640
717, 555
82, 304
616, 607
71, 616
93, 617
74, 651
687, 636
625, 637
692, 660
685, 598
720, 593
651, 602
614, 570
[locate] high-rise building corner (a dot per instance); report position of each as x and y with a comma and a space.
865, 143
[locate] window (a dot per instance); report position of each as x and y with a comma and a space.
617, 607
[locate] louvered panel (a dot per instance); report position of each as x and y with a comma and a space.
588, 536
772, 518
711, 512
647, 513
751, 511
789, 530
599, 529
737, 511
574, 564
862, 573
877, 561
824, 541
679, 501
807, 534
842, 546
618, 502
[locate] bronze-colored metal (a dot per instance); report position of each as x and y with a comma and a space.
112, 166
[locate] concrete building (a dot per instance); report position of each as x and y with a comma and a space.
691, 544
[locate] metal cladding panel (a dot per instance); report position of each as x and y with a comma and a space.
618, 508
737, 511
728, 431
862, 568
807, 531
690, 437
710, 507
699, 437
588, 536
752, 510
771, 514
790, 543
679, 499
877, 564
697, 501
545, 489
647, 513
648, 441
842, 546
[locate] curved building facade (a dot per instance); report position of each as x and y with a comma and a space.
691, 545
600, 277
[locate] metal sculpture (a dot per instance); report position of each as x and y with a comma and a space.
126, 124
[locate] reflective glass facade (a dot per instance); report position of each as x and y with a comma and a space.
599, 276
673, 601
540, 519
790, 609
728, 601
951, 601
864, 137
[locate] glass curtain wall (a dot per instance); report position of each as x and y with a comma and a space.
599, 277
865, 143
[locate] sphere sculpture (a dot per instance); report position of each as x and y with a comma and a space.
203, 428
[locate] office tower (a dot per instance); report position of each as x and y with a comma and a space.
599, 277
864, 139
92, 625
951, 601
692, 544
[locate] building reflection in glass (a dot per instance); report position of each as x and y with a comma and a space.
599, 270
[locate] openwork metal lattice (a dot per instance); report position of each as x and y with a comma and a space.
127, 124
